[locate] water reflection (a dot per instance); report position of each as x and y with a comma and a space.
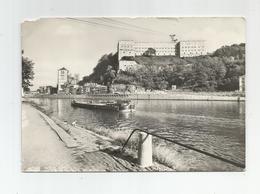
60, 109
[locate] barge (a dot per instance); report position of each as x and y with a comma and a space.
124, 106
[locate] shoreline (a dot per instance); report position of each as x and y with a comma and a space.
181, 96
75, 136
165, 158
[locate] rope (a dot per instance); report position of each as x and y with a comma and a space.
186, 146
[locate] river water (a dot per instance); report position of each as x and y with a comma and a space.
215, 126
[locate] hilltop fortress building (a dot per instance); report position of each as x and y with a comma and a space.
128, 49
191, 48
131, 48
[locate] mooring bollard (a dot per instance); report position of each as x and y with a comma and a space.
145, 150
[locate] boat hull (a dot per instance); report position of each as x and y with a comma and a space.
109, 106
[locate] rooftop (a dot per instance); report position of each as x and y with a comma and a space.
63, 68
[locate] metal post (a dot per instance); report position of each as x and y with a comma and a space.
145, 152
145, 149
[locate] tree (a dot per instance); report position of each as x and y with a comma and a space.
150, 52
200, 78
84, 80
100, 69
109, 78
125, 78
236, 50
160, 83
27, 73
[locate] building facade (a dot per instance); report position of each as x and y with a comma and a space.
47, 90
128, 49
242, 83
125, 65
191, 48
161, 48
73, 80
63, 78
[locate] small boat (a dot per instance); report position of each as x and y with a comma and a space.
124, 106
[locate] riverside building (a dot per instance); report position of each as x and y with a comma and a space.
242, 83
128, 49
63, 76
66, 81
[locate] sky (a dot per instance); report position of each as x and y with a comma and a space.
78, 43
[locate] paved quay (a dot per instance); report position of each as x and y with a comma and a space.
46, 148
42, 150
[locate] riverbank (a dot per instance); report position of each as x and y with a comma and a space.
90, 151
42, 150
192, 96
169, 155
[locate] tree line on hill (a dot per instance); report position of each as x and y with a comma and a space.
219, 71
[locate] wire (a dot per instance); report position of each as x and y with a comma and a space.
135, 26
186, 146
111, 26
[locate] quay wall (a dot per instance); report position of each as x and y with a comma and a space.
149, 96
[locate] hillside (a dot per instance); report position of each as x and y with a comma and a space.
219, 71
236, 50
159, 60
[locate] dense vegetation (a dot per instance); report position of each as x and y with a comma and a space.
27, 73
107, 66
219, 71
